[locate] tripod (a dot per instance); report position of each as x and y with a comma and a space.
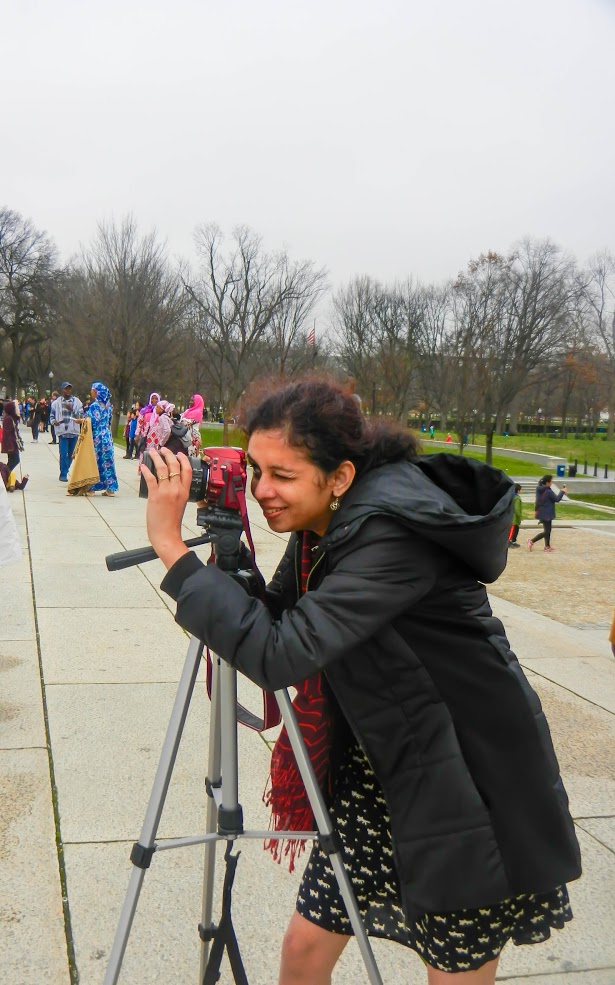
224, 815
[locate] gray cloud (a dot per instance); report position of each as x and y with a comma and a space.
387, 139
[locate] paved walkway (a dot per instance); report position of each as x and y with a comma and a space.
89, 665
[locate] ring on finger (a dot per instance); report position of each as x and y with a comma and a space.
171, 474
161, 477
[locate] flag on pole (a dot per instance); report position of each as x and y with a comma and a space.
312, 336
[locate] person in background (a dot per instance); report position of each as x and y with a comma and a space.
133, 420
126, 434
160, 426
37, 417
66, 413
100, 412
193, 417
146, 418
449, 438
10, 438
424, 733
517, 515
545, 512
50, 425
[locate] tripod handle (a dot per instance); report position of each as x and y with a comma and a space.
126, 559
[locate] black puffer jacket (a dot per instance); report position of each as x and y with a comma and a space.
545, 502
397, 617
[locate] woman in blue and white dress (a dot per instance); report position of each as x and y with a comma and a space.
100, 413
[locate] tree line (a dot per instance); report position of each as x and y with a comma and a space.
530, 332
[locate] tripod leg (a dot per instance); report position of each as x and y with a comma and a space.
224, 773
327, 836
214, 776
225, 934
143, 851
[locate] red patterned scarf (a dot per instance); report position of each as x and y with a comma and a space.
285, 792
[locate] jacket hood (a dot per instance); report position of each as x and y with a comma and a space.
463, 506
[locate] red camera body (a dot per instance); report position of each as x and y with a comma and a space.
225, 467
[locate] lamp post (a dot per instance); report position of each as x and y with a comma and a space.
50, 383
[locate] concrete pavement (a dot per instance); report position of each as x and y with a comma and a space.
89, 666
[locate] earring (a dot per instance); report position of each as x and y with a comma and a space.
334, 504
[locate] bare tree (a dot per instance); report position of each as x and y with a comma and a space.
377, 327
354, 329
437, 363
28, 294
518, 311
600, 298
126, 310
248, 302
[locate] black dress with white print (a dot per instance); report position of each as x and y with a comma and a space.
457, 941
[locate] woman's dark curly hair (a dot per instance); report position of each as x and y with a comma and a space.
324, 418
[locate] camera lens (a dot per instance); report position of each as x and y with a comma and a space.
198, 483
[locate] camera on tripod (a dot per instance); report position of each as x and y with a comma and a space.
215, 479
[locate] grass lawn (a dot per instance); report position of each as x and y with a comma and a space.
597, 450
566, 511
599, 500
512, 466
212, 437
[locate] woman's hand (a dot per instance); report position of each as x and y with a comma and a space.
167, 498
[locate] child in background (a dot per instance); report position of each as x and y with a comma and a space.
517, 515
126, 434
132, 432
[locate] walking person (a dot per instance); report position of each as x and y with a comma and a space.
12, 444
517, 516
429, 742
38, 417
50, 426
66, 412
545, 512
100, 413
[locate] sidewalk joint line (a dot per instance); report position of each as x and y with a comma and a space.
68, 930
537, 673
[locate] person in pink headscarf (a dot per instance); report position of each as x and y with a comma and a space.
192, 417
195, 410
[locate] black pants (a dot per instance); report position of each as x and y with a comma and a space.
12, 460
546, 533
514, 533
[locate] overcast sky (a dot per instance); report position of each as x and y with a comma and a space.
391, 138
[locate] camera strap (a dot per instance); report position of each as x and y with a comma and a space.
271, 712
